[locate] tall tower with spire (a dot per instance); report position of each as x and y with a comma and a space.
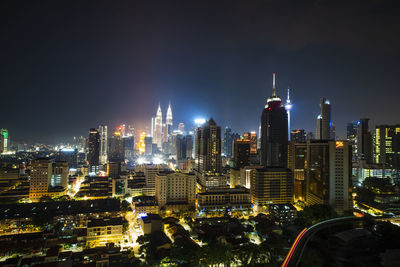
169, 120
288, 107
274, 129
158, 128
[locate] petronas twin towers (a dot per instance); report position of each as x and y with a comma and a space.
159, 130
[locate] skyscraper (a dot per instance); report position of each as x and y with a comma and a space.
328, 175
364, 142
241, 153
168, 121
351, 136
208, 148
148, 145
94, 149
252, 137
116, 148
288, 107
103, 144
228, 141
4, 133
387, 148
158, 128
324, 122
274, 132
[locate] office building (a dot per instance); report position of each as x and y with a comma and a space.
387, 148
252, 137
4, 133
59, 174
271, 186
297, 164
148, 145
70, 155
324, 122
328, 175
241, 153
40, 177
116, 150
364, 142
351, 137
103, 132
299, 136
228, 142
208, 148
175, 189
94, 149
274, 132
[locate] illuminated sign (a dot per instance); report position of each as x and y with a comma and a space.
339, 144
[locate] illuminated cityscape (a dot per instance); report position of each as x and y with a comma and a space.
212, 170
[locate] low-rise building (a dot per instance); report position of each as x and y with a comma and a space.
103, 231
151, 223
283, 213
221, 199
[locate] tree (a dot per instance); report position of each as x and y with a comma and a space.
125, 206
314, 214
42, 219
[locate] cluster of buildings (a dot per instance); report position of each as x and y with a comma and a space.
208, 169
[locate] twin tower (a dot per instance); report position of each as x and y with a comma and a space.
160, 131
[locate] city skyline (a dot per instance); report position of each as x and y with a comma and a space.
80, 78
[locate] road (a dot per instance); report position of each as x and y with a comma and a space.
296, 251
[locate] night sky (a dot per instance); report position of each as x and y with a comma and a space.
68, 66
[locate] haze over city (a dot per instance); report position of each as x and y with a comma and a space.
113, 64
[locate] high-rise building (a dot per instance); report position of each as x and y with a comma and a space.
189, 146
288, 107
208, 148
298, 135
324, 122
116, 148
175, 188
94, 149
241, 153
274, 132
351, 137
252, 137
297, 164
103, 131
228, 142
4, 133
148, 145
150, 171
329, 174
1, 143
387, 148
40, 178
59, 174
364, 142
168, 121
158, 128
271, 186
